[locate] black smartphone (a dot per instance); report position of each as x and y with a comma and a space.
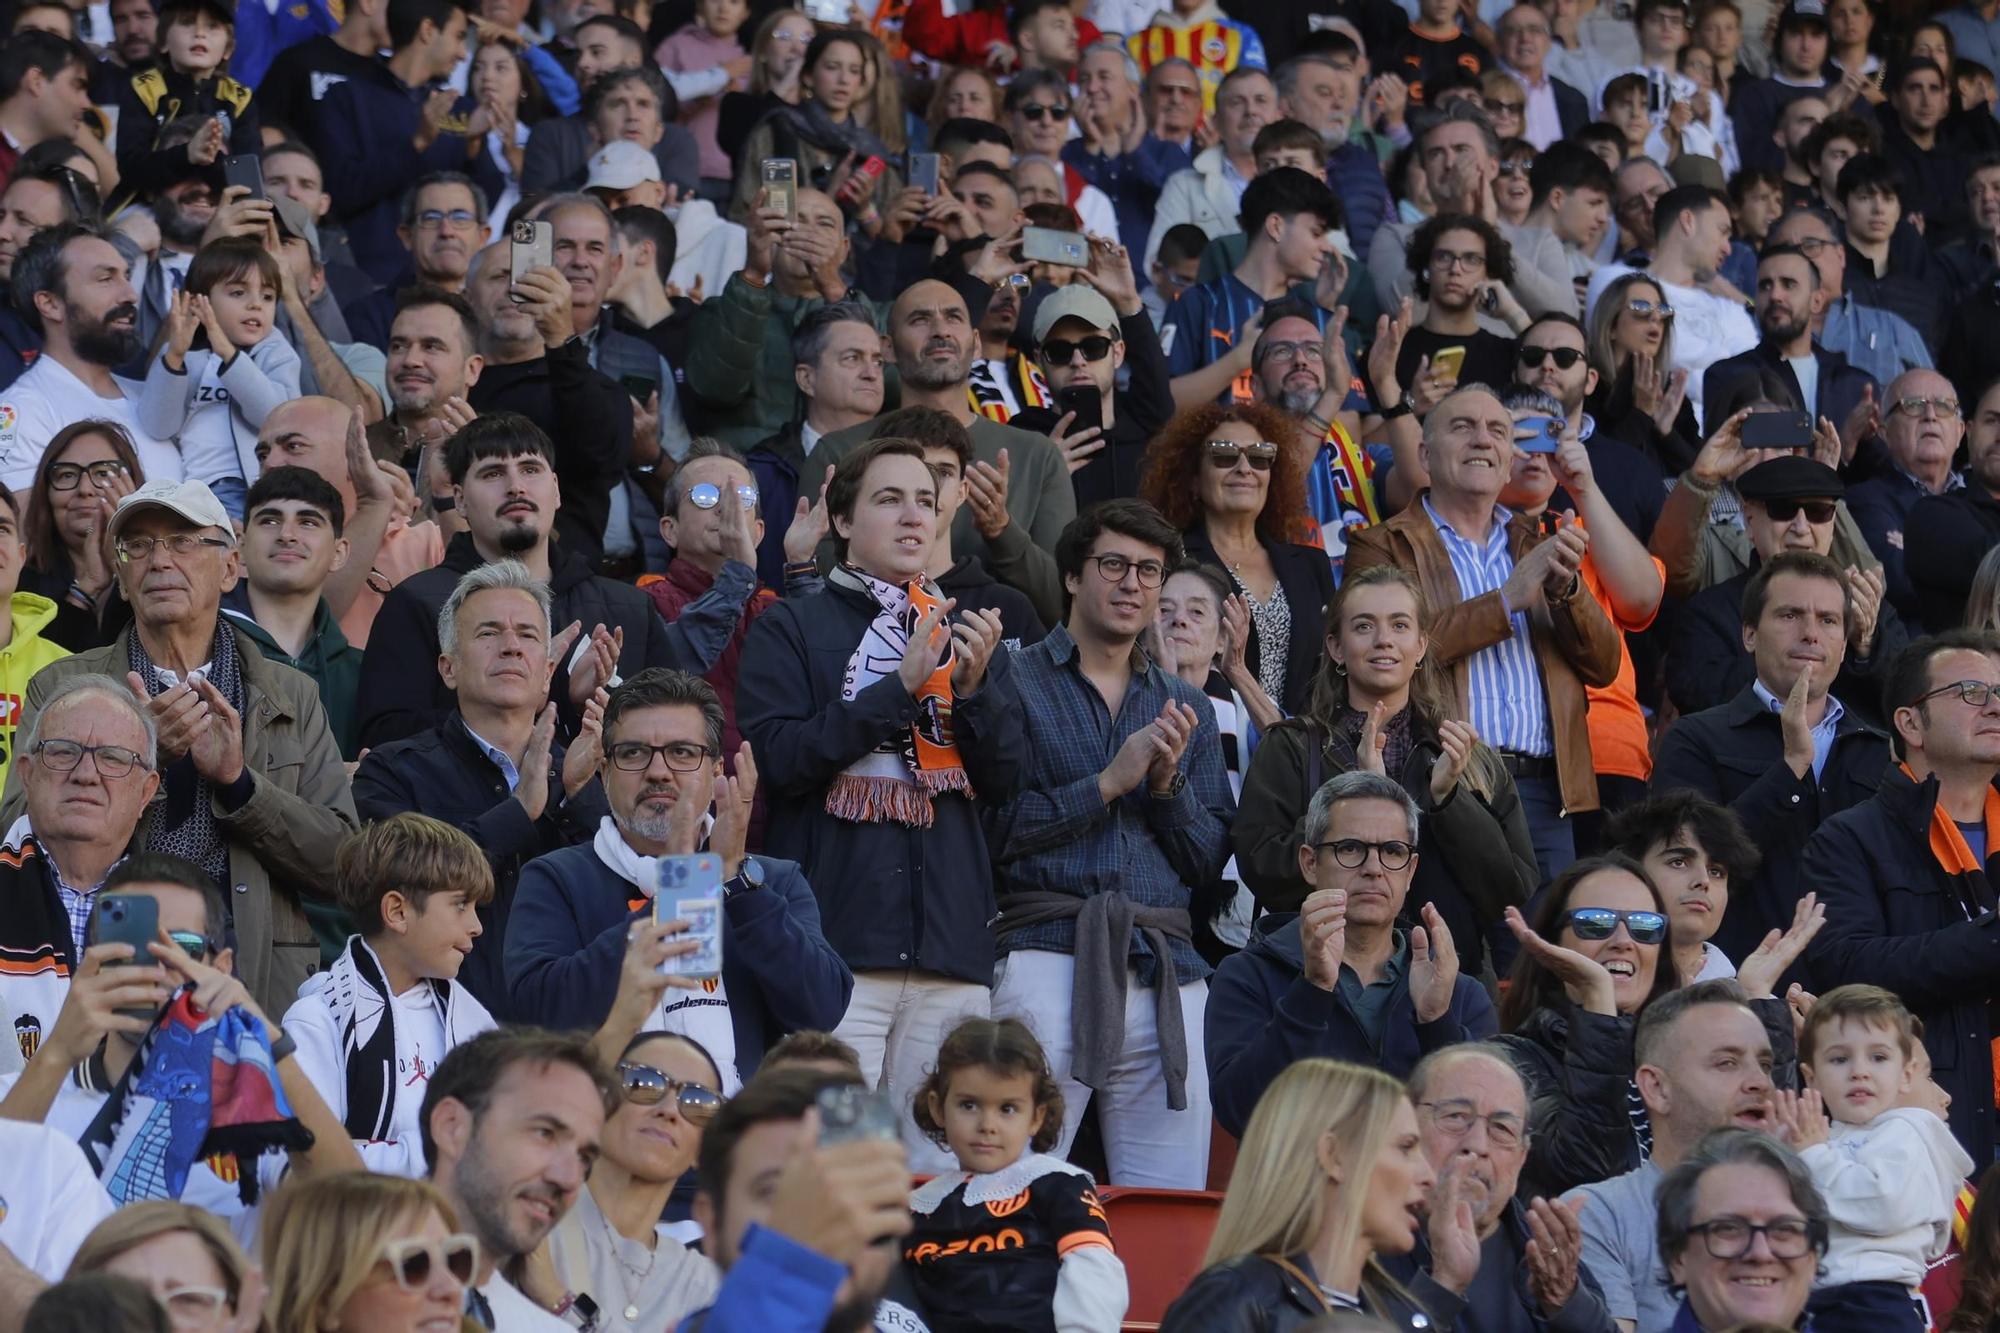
1086, 402
641, 387
1789, 429
247, 170
129, 918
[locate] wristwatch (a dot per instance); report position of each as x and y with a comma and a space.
749, 877
1174, 788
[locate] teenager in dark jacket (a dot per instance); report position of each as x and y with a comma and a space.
1908, 876
844, 705
576, 908
1598, 950
503, 475
1342, 980
1475, 854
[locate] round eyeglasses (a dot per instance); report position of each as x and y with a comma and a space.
1352, 852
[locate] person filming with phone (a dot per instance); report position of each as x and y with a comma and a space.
578, 910
1462, 267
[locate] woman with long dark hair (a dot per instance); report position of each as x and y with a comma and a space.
1379, 702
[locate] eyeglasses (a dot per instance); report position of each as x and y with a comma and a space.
411, 1260
1222, 454
706, 495
1060, 351
1113, 568
1648, 309
1040, 111
1812, 245
681, 756
644, 1085
1598, 923
193, 1307
181, 544
1513, 109
1784, 511
1564, 357
1730, 1237
1289, 352
433, 218
1514, 168
1975, 692
1447, 261
113, 761
193, 945
1352, 852
1946, 408
1456, 1118
1524, 30
68, 476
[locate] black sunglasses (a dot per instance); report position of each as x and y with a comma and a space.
1059, 351
1564, 357
1598, 923
1043, 111
1784, 511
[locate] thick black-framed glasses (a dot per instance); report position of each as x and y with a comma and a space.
637, 756
1112, 569
1731, 1237
1352, 852
113, 761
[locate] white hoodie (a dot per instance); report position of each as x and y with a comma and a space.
706, 246
1889, 1185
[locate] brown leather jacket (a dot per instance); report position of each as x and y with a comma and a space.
1575, 642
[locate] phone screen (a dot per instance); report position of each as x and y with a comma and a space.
781, 184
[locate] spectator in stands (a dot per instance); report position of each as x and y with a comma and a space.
1924, 429
443, 225
1555, 109
1209, 194
1571, 190
818, 133
1322, 90
291, 543
662, 739
1696, 851
1901, 873
254, 789
433, 362
1094, 867
184, 1255
638, 104
1517, 632
885, 788
1115, 150
511, 1121
1711, 1207
1328, 1180
1932, 169
1785, 753
67, 558
1879, 341
1473, 1111
391, 1005
32, 201
1943, 529
369, 1251
503, 481
1340, 980
44, 94
70, 283
1704, 1061
1887, 266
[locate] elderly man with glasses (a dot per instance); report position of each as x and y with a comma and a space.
1924, 424
1342, 980
1472, 1114
253, 791
579, 909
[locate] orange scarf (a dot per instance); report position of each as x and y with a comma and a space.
1953, 853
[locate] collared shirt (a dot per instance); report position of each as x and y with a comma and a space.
1822, 734
808, 438
78, 904
1879, 341
500, 758
1058, 836
1510, 710
1540, 123
1370, 1001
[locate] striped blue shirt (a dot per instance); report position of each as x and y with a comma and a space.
1508, 707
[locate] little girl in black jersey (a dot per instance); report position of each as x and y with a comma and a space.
1016, 1239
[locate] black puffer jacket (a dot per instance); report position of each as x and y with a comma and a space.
1251, 1294
1578, 1069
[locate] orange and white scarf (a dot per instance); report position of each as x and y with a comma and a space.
1954, 855
896, 780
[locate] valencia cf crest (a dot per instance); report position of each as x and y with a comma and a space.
1214, 50
708, 984
28, 1035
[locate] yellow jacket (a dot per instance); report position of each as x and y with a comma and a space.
25, 654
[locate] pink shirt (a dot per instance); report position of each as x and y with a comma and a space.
696, 48
406, 549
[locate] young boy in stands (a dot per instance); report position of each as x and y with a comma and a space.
187, 79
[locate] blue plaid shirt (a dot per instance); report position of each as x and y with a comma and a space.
1058, 835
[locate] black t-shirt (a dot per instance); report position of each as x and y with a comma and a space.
300, 78
1489, 359
993, 1265
1419, 59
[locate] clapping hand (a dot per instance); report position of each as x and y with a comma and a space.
1761, 970
1584, 979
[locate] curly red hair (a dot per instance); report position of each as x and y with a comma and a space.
1177, 454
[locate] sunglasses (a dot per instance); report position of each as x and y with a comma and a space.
1598, 923
1060, 351
1646, 309
193, 945
643, 1085
1564, 357
1039, 111
1515, 168
707, 495
1222, 455
1784, 511
411, 1260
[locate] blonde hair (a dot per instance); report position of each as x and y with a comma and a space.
137, 1223
1277, 1201
322, 1238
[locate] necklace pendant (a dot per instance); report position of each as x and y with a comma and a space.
631, 1314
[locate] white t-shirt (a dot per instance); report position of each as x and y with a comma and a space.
515, 1313
1807, 369
1707, 328
48, 397
49, 1197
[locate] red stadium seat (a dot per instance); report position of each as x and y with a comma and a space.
1161, 1235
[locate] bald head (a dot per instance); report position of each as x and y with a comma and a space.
311, 433
1923, 425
